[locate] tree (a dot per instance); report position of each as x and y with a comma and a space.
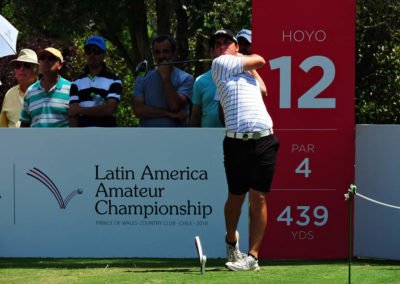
377, 61
129, 25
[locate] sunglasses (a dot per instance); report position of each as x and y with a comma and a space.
18, 65
48, 57
95, 51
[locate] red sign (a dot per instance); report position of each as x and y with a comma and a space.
309, 49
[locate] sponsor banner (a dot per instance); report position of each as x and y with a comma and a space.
113, 193
309, 50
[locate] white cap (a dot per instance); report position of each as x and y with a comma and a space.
244, 33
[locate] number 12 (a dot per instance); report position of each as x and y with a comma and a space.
308, 99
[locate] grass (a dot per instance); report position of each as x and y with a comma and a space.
40, 270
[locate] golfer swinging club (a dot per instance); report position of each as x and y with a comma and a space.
250, 148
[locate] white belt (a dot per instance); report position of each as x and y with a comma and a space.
249, 135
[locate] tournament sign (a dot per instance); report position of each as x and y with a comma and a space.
309, 49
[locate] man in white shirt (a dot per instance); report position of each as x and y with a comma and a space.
250, 148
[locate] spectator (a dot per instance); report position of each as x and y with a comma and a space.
46, 101
95, 94
26, 68
244, 40
162, 98
205, 111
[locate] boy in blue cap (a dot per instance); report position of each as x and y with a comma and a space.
95, 94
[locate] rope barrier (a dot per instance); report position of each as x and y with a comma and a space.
348, 196
353, 190
377, 202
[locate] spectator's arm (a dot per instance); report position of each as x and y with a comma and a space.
106, 109
141, 110
195, 118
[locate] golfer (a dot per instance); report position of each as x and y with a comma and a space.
250, 148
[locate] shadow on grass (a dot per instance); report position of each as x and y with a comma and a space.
185, 265
84, 263
182, 270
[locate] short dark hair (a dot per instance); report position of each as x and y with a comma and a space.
161, 38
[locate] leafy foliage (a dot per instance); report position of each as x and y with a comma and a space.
378, 61
128, 26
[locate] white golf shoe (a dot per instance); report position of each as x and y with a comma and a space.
246, 263
233, 253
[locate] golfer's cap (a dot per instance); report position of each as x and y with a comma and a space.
222, 33
98, 41
245, 33
27, 55
53, 51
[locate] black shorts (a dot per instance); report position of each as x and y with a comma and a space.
250, 164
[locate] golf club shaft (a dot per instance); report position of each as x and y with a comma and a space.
183, 61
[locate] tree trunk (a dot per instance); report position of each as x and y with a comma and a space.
202, 51
138, 31
164, 9
182, 33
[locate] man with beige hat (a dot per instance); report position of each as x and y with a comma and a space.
46, 102
26, 68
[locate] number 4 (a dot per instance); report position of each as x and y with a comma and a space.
304, 168
287, 219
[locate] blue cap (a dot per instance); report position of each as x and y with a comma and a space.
96, 40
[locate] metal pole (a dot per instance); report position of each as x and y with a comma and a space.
352, 191
183, 61
350, 197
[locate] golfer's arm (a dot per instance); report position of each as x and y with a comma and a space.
263, 88
221, 114
253, 61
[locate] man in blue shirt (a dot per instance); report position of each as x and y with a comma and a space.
162, 98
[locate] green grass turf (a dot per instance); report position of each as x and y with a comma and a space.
135, 270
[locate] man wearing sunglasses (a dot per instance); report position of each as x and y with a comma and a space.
26, 68
95, 94
46, 102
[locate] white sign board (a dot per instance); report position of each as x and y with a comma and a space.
376, 226
123, 192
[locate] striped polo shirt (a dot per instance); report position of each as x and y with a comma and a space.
239, 95
91, 91
46, 109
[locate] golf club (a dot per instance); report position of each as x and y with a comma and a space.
143, 66
202, 258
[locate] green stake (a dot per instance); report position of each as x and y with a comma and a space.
352, 191
350, 196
